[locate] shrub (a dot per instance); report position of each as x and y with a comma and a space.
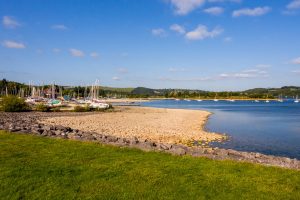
55, 109
42, 107
14, 104
82, 109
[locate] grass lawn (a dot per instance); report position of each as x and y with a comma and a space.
33, 167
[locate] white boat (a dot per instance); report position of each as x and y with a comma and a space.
99, 105
187, 100
280, 99
231, 100
267, 100
177, 99
216, 98
296, 100
30, 100
256, 101
199, 100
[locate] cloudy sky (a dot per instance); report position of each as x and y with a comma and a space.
197, 44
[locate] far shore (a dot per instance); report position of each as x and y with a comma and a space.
155, 124
141, 100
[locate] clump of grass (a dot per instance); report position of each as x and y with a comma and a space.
14, 104
82, 109
42, 107
55, 109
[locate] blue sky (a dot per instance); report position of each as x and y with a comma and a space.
196, 44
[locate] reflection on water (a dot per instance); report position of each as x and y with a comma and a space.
270, 128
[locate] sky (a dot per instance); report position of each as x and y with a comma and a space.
195, 44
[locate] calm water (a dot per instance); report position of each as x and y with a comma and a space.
269, 128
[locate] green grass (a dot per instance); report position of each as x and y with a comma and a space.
33, 167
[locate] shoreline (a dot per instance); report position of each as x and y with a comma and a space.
28, 123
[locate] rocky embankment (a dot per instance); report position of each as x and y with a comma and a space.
28, 123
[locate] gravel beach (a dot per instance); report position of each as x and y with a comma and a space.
155, 124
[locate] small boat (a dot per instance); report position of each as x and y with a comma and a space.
30, 100
99, 105
256, 101
296, 100
199, 100
54, 102
280, 99
177, 99
216, 98
267, 100
187, 99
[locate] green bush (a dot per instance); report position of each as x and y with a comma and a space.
55, 109
42, 107
14, 104
82, 109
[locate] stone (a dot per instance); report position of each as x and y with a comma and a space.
111, 139
163, 147
133, 140
178, 150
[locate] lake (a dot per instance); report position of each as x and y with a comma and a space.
270, 128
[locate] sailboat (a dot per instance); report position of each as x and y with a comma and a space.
94, 94
296, 100
229, 98
216, 98
199, 98
280, 99
267, 100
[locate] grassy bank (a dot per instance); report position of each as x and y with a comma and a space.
33, 167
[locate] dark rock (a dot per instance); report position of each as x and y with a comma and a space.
133, 140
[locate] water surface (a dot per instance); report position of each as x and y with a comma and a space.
270, 128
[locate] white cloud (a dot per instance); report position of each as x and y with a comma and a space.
59, 27
94, 54
115, 78
183, 7
177, 28
201, 32
76, 52
248, 73
295, 4
173, 69
296, 61
258, 11
214, 10
227, 39
122, 70
56, 50
158, 32
13, 45
9, 22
